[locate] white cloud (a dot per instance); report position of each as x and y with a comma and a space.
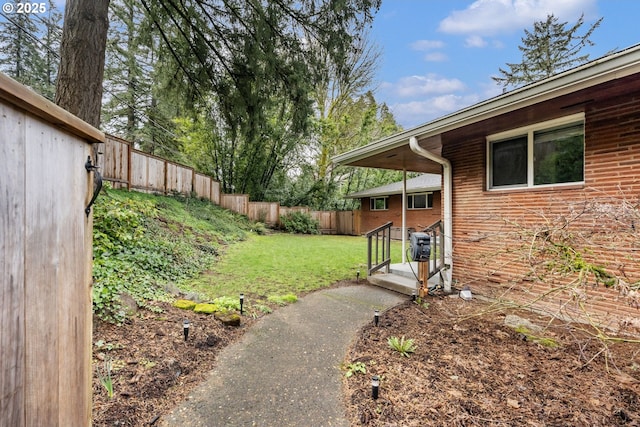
475, 41
490, 89
415, 113
424, 85
426, 45
490, 17
429, 46
436, 57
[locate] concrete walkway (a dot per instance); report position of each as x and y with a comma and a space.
285, 371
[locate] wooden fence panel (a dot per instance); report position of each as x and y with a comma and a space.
202, 186
139, 170
58, 315
327, 220
156, 180
114, 161
215, 192
12, 257
45, 262
147, 173
179, 178
348, 223
284, 210
235, 202
265, 212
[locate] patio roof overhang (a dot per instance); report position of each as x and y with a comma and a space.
561, 95
421, 149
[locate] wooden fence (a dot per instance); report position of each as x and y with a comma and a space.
348, 223
129, 168
266, 212
235, 202
327, 221
285, 210
45, 261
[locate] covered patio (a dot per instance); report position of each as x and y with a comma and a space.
461, 137
403, 152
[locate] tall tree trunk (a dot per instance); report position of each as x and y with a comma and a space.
84, 38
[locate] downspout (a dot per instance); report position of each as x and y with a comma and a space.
448, 208
404, 216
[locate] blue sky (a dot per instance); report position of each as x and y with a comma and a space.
438, 56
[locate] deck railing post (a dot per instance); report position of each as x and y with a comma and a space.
382, 235
368, 255
388, 243
435, 231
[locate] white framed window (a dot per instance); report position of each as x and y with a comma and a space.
379, 203
545, 154
420, 201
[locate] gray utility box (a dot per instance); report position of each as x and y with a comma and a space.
420, 245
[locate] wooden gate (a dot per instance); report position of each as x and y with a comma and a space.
45, 262
348, 223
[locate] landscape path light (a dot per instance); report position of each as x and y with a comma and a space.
185, 328
376, 317
375, 386
241, 302
358, 276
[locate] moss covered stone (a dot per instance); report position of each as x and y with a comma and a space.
229, 319
206, 308
184, 304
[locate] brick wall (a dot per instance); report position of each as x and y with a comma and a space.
493, 231
418, 218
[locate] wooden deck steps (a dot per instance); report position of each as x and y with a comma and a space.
394, 282
400, 278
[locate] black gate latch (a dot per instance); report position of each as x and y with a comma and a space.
97, 183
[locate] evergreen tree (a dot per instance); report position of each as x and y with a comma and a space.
239, 75
29, 43
127, 75
51, 31
82, 56
21, 54
548, 49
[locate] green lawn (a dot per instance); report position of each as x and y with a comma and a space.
279, 264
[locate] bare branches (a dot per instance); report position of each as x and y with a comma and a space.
563, 262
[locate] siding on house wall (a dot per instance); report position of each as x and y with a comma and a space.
490, 247
418, 218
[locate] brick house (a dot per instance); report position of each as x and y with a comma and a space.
382, 204
524, 171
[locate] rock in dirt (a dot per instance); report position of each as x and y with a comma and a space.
228, 319
129, 304
514, 322
212, 340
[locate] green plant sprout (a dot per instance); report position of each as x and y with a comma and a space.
402, 345
283, 299
102, 345
355, 368
543, 341
105, 378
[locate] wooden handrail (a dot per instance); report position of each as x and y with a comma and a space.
377, 230
436, 263
382, 257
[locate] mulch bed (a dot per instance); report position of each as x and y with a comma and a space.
470, 369
153, 367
